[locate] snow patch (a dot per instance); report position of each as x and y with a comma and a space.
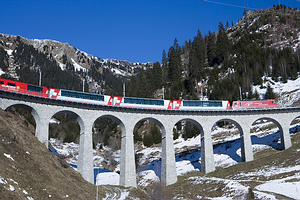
108, 178
77, 66
8, 156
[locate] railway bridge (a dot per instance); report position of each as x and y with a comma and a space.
43, 109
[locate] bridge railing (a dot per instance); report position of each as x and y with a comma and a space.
22, 91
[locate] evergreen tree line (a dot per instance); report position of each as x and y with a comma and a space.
229, 64
3, 59
30, 61
109, 81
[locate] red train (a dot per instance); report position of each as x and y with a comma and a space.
23, 88
254, 104
131, 102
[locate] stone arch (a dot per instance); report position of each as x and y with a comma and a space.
244, 140
155, 166
76, 116
116, 119
196, 123
30, 109
294, 128
194, 160
157, 122
279, 126
110, 161
168, 166
36, 116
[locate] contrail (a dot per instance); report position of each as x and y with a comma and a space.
226, 4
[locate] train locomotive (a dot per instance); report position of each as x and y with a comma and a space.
130, 102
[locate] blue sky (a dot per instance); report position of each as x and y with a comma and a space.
132, 30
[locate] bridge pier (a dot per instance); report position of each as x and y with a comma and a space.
127, 163
42, 120
168, 164
85, 164
246, 144
207, 154
286, 141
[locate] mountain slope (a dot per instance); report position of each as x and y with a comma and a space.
28, 170
99, 74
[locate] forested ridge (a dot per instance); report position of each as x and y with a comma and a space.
262, 43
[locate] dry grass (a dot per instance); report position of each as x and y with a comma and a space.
35, 169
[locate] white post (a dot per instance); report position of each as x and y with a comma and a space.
83, 85
241, 94
123, 89
40, 79
97, 183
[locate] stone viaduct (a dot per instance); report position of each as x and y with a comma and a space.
43, 109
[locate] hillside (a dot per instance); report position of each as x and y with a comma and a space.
20, 56
28, 170
230, 63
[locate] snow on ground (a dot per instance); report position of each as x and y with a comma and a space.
1, 72
77, 66
108, 178
8, 156
146, 177
281, 186
288, 92
120, 72
227, 152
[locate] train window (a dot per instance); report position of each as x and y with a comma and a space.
273, 101
140, 101
147, 101
70, 94
218, 103
130, 100
35, 88
101, 97
127, 100
97, 97
200, 103
11, 84
185, 103
135, 101
65, 93
93, 97
86, 96
205, 104
143, 101
161, 102
1, 82
79, 95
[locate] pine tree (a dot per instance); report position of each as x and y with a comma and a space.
197, 57
222, 45
211, 47
269, 93
174, 68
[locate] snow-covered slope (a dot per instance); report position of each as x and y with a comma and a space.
227, 152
